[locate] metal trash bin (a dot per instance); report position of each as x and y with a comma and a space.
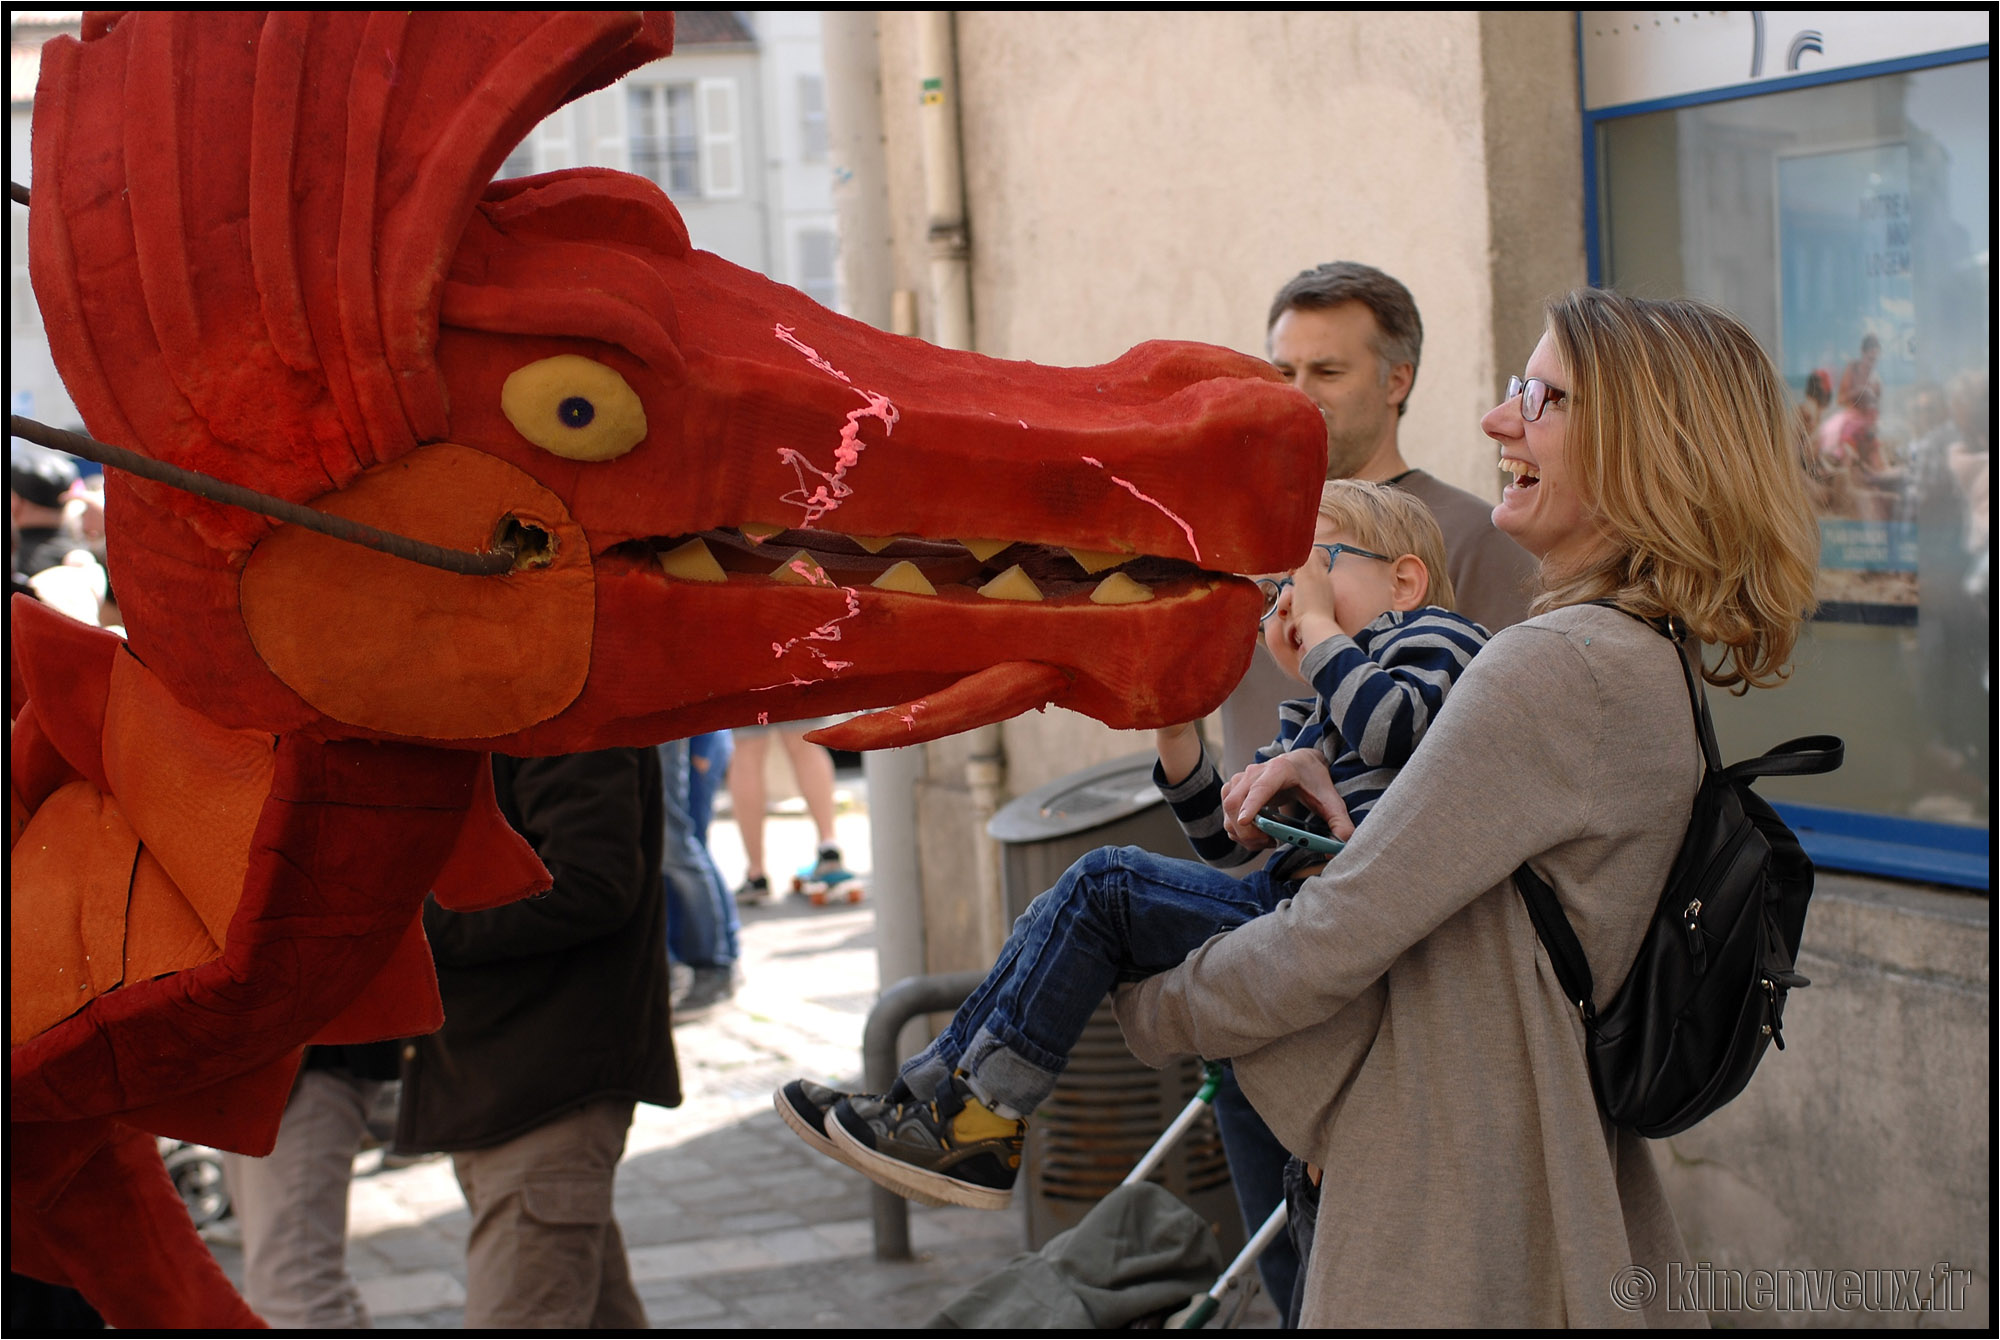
1108, 1108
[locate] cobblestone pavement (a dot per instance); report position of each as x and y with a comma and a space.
729, 1220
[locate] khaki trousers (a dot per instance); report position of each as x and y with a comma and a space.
292, 1206
544, 1251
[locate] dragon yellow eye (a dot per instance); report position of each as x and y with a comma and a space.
575, 407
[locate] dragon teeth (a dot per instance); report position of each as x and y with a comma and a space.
692, 562
1013, 584
905, 577
757, 534
1118, 589
985, 549
1096, 560
874, 544
801, 569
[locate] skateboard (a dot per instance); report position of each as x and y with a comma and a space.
820, 886
821, 892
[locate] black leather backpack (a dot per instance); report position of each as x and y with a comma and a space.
1707, 992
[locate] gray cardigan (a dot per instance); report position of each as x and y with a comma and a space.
1398, 1023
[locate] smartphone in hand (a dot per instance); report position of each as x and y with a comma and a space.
1309, 832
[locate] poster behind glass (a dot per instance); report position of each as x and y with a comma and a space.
1848, 224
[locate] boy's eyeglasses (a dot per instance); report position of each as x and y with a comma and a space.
1536, 396
1273, 587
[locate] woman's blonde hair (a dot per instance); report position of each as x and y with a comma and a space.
1386, 519
1681, 436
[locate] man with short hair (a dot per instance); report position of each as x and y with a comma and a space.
1329, 328
1349, 336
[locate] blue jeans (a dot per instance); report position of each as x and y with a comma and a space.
1117, 915
708, 764
1257, 1167
702, 930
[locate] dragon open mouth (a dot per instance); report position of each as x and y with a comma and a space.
989, 569
936, 585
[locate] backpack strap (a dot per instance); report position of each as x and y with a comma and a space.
1559, 938
1807, 756
1676, 632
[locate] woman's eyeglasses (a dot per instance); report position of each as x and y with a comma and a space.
1273, 587
1536, 396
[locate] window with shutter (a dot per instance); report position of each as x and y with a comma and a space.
721, 139
812, 118
816, 276
663, 144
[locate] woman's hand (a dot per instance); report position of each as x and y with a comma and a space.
1301, 775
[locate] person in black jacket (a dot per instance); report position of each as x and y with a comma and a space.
556, 1024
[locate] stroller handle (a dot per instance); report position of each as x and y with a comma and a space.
1211, 1080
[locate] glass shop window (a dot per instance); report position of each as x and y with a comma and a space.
1847, 223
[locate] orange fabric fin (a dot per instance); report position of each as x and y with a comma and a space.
35, 768
490, 864
192, 790
66, 666
67, 892
400, 1002
240, 1114
163, 933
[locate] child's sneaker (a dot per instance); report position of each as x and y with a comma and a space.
804, 1105
953, 1148
753, 890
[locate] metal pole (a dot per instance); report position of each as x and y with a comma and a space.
944, 179
897, 1006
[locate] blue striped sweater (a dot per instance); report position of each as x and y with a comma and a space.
1374, 696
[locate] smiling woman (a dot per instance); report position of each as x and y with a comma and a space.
1395, 1022
1682, 493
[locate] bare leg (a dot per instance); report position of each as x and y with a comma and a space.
812, 766
746, 794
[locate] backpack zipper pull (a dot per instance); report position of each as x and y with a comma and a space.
1697, 947
1775, 1029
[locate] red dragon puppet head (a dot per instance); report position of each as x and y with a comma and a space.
268, 250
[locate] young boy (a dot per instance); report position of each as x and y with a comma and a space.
1362, 623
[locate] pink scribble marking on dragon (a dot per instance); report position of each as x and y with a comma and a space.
1133, 489
830, 631
832, 488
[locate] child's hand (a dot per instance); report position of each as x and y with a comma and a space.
1180, 751
1312, 601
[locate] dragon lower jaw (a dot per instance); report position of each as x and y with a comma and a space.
980, 699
